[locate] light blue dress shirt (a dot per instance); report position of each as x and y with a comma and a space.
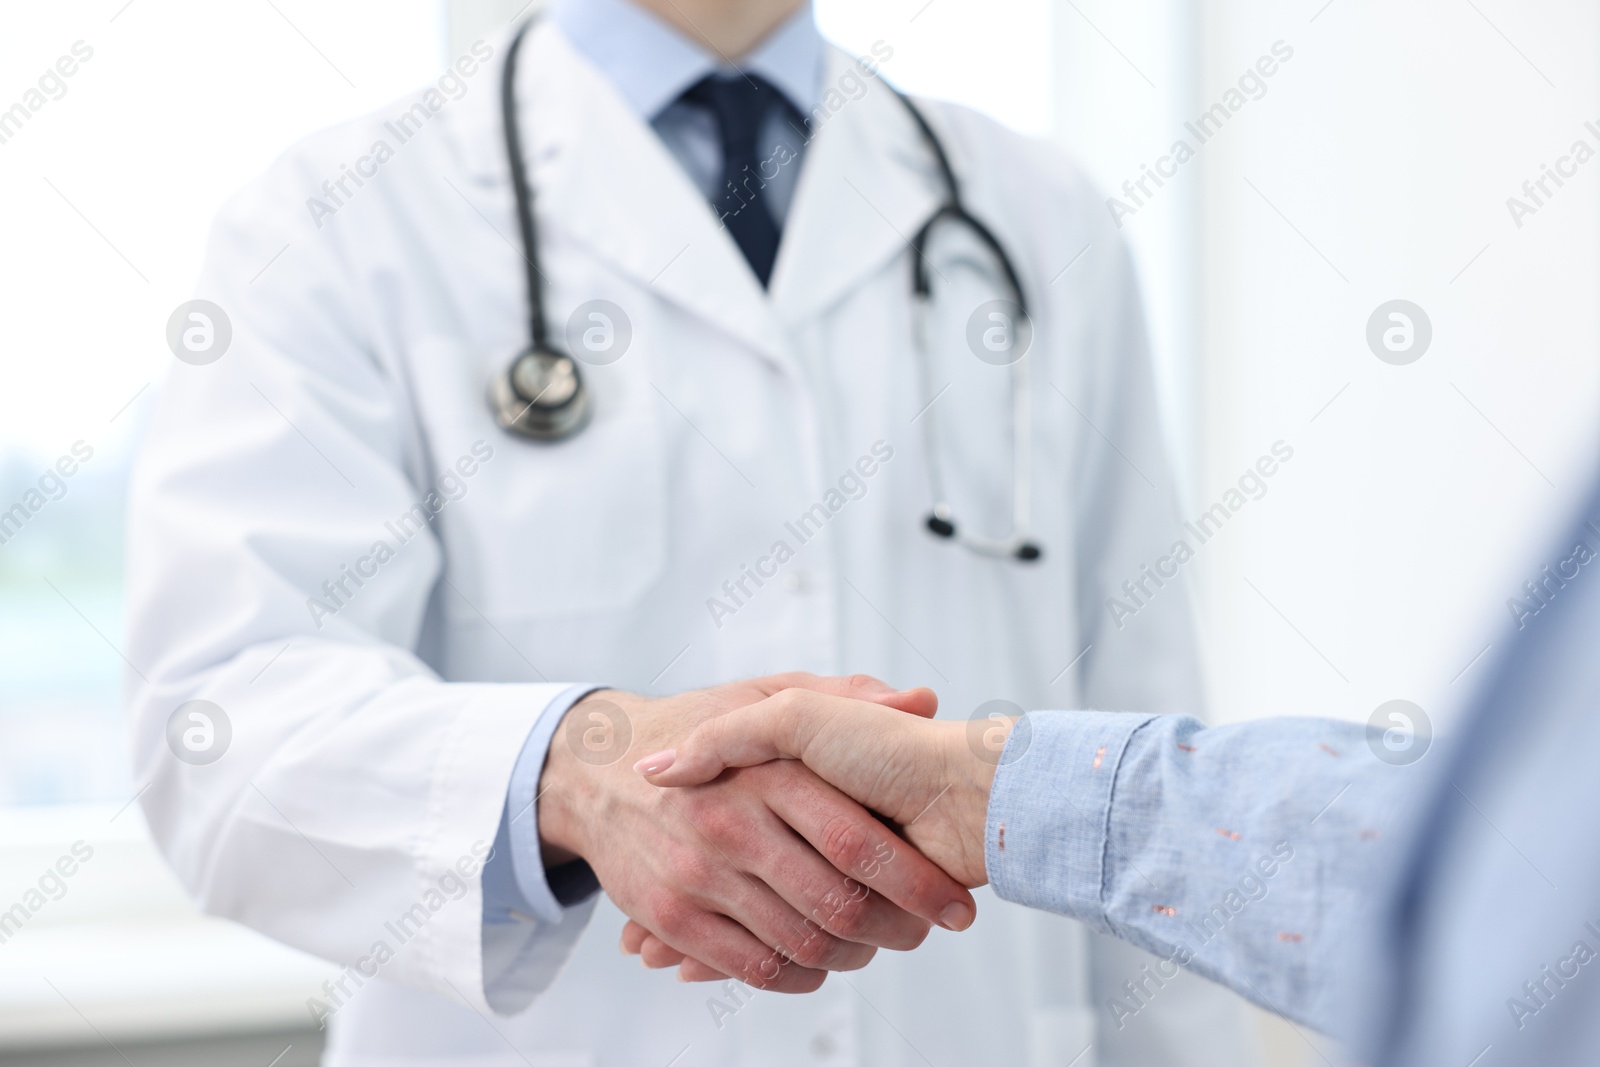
650, 64
1438, 913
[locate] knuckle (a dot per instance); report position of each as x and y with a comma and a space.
845, 843
765, 777
721, 823
763, 970
851, 921
791, 700
925, 887
815, 950
813, 957
672, 914
691, 868
691, 803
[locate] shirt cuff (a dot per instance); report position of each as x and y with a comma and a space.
1048, 826
515, 878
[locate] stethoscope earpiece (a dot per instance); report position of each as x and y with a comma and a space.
1021, 551
540, 396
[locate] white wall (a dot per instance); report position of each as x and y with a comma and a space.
111, 188
1122, 80
1375, 165
1419, 499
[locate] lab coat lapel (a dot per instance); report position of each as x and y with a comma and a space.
603, 178
868, 184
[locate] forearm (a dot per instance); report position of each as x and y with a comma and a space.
277, 832
1246, 853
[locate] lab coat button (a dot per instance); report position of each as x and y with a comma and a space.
795, 581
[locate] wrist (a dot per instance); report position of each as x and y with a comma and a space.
566, 783
558, 830
970, 774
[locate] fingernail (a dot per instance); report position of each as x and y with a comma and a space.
656, 762
956, 916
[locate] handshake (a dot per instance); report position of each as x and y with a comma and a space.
782, 827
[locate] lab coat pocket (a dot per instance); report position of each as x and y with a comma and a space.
573, 527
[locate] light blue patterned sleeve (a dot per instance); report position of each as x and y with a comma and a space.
1253, 854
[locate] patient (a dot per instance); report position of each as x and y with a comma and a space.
1436, 912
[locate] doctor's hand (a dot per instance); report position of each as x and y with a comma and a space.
923, 775
766, 874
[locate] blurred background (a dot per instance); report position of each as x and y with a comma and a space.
1374, 165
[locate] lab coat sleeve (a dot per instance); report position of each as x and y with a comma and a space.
1248, 854
517, 954
526, 885
284, 564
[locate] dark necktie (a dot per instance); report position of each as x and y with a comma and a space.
740, 104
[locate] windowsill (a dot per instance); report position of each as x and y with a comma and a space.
122, 951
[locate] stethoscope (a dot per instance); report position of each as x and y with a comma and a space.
542, 396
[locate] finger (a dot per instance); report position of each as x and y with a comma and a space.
757, 907
742, 738
736, 822
689, 970
695, 971
863, 849
835, 905
653, 949
656, 953
633, 936
730, 949
920, 701
779, 727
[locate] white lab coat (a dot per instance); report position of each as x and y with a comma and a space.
371, 745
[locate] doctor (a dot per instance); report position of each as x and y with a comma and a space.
728, 454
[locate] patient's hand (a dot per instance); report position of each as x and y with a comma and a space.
921, 774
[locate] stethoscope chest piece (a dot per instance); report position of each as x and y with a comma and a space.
540, 396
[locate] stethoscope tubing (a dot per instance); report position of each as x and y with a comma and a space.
941, 521
519, 410
522, 192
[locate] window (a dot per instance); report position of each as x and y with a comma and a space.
113, 179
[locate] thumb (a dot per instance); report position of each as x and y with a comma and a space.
744, 737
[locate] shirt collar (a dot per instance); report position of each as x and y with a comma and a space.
651, 63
